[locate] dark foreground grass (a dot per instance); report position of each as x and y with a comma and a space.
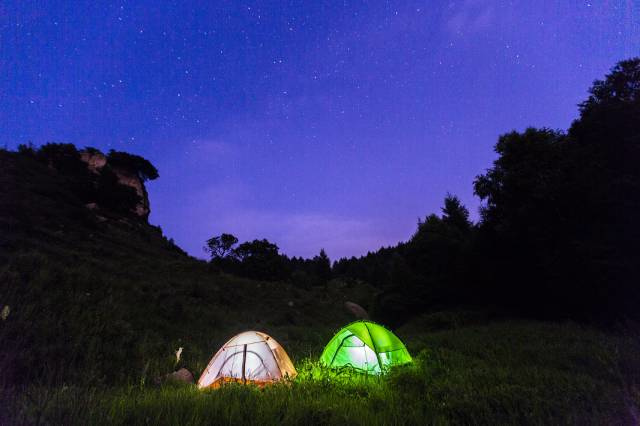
501, 373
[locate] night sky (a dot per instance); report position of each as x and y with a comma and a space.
332, 124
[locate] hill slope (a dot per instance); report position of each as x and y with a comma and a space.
102, 296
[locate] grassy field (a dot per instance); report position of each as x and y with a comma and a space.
496, 373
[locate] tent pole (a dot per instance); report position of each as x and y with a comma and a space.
337, 350
244, 362
375, 349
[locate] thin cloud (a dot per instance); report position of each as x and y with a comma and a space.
304, 234
470, 16
213, 147
225, 207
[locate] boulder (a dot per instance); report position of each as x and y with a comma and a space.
183, 375
357, 310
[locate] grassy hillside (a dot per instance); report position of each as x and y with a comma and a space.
98, 303
109, 299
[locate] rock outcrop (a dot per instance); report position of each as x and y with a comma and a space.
96, 161
127, 178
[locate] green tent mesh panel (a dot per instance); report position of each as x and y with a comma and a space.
365, 346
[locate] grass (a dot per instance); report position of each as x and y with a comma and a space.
498, 373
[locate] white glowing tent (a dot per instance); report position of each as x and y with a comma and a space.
249, 357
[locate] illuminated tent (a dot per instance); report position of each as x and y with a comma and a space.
365, 346
249, 357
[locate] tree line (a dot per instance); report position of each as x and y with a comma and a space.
558, 235
261, 260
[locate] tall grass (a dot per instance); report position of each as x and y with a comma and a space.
504, 373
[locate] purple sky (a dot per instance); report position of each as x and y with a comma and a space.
332, 124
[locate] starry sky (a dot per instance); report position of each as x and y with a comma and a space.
314, 124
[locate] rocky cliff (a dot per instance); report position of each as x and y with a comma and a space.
112, 184
96, 161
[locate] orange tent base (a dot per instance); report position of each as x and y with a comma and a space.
222, 381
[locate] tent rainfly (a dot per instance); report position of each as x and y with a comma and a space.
366, 347
249, 357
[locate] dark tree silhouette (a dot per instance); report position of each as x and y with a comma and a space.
322, 266
558, 236
455, 214
559, 229
259, 259
221, 246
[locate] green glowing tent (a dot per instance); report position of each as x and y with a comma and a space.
365, 346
